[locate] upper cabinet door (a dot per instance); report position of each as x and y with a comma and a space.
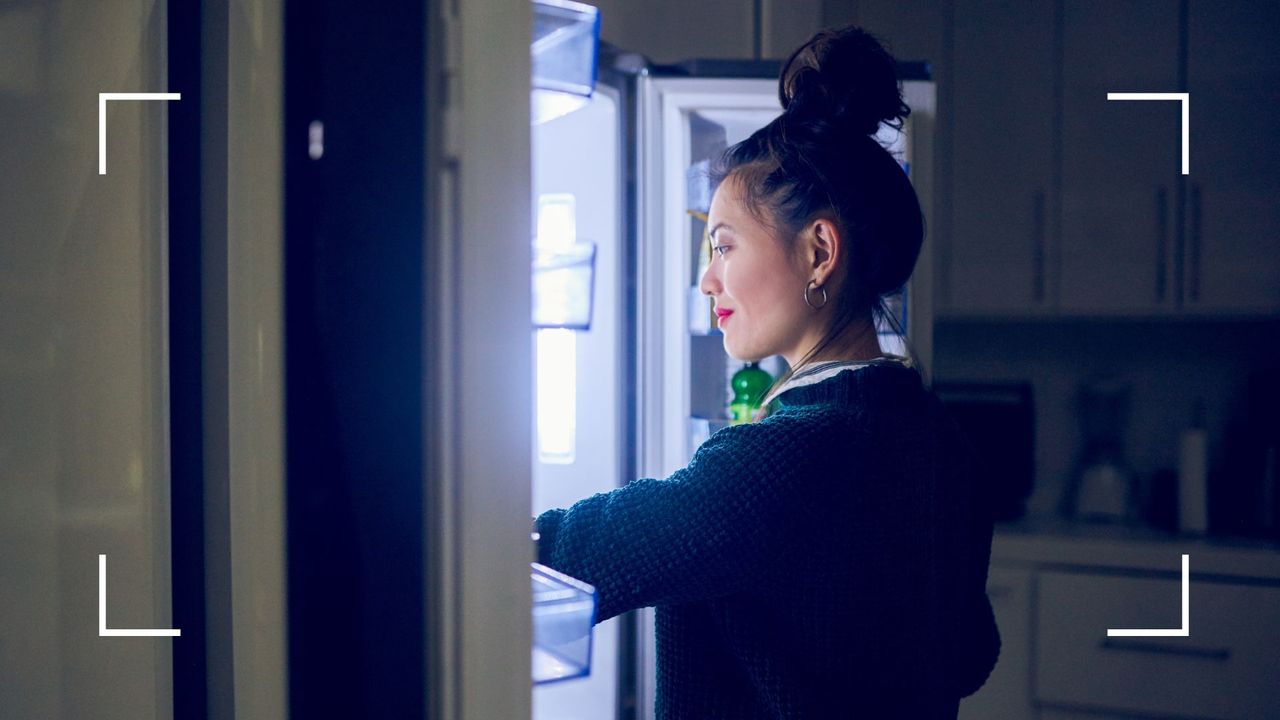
1121, 158
1002, 107
1233, 213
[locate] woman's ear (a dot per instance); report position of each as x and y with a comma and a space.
823, 248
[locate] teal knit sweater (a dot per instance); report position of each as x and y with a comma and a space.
829, 561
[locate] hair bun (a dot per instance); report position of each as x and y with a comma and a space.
844, 77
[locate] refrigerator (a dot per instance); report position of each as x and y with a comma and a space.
633, 393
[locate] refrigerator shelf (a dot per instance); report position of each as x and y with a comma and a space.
564, 611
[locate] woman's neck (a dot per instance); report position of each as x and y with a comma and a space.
858, 343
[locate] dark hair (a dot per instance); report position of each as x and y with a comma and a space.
820, 158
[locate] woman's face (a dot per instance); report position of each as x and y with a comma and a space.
752, 278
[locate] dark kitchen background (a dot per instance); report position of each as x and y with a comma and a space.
1106, 327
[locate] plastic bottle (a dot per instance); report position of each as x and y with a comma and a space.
1193, 475
749, 386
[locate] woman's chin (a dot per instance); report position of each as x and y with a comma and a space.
744, 355
731, 351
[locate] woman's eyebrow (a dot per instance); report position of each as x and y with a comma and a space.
717, 226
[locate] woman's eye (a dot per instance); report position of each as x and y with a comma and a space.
720, 249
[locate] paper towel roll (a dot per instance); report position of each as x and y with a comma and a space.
1193, 476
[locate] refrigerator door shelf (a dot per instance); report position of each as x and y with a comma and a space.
563, 286
565, 41
564, 611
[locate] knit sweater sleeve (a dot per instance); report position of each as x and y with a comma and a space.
712, 528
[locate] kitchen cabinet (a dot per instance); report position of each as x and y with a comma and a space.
1233, 211
1056, 590
1225, 669
669, 31
1065, 203
1121, 159
1002, 67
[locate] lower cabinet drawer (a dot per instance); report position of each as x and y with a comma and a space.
1229, 666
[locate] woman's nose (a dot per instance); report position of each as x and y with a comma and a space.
710, 282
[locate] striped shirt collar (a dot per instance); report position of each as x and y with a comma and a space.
817, 372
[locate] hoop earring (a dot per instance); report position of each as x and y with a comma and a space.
812, 284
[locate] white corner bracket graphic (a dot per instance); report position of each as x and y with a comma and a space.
1186, 117
1185, 630
103, 631
102, 118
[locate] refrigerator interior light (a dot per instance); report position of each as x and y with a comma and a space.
556, 399
566, 39
556, 224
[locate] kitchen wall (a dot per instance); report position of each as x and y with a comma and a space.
1169, 365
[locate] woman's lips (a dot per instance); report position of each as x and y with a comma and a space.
723, 315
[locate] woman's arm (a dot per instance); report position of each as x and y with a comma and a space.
711, 529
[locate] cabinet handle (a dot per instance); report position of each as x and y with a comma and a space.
1162, 240
1194, 292
1206, 653
1037, 248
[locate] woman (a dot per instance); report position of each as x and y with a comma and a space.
828, 560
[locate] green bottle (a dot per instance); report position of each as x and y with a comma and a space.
749, 386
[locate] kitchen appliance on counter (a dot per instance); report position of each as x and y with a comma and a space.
1103, 488
999, 421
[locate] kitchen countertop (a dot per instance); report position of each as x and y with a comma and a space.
1067, 545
